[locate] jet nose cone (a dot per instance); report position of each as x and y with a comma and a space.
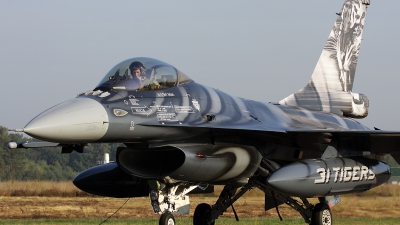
73, 121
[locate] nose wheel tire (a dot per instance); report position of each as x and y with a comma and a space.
321, 215
167, 219
201, 214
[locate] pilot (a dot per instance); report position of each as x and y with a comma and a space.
133, 80
149, 82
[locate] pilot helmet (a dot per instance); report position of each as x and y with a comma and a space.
137, 65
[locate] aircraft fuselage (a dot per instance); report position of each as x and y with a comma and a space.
178, 113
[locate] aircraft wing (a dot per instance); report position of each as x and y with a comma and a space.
33, 144
361, 140
66, 148
372, 133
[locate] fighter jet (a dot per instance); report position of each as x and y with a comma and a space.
181, 136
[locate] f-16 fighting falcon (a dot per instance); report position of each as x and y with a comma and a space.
181, 137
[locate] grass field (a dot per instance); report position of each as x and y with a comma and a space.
223, 221
41, 188
55, 203
68, 189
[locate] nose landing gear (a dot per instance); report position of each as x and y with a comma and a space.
169, 200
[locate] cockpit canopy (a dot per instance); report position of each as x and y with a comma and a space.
142, 74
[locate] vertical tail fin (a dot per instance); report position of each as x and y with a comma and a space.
331, 83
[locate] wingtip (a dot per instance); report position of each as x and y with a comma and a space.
12, 145
16, 130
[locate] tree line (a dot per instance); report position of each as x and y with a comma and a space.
47, 163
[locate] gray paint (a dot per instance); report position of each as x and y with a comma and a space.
345, 176
184, 133
331, 84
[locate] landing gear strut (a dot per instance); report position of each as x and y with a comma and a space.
168, 199
320, 214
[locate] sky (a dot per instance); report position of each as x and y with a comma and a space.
262, 50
